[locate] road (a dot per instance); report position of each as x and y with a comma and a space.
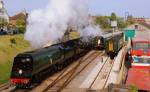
142, 32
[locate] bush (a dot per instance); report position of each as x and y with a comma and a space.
22, 29
133, 88
12, 41
21, 25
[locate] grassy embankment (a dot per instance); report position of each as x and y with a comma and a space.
9, 47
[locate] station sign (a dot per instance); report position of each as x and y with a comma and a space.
113, 23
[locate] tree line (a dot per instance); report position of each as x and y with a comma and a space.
105, 21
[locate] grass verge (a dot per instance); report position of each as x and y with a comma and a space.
10, 46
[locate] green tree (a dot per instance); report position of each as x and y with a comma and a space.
113, 16
130, 20
103, 21
121, 23
21, 25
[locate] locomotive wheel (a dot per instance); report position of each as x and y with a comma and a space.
59, 67
37, 79
66, 64
112, 57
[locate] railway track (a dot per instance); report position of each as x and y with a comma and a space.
98, 74
61, 79
51, 79
102, 76
6, 87
64, 78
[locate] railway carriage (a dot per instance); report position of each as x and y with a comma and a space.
111, 43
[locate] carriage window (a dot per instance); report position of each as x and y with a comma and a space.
141, 60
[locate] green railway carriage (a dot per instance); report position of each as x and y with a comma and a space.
112, 43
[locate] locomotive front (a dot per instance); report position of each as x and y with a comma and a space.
99, 42
22, 70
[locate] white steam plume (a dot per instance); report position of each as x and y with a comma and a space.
49, 24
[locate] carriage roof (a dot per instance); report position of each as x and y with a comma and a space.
141, 39
112, 34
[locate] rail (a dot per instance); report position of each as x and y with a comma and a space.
6, 87
103, 75
98, 73
116, 74
71, 74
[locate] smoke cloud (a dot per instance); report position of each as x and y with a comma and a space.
49, 24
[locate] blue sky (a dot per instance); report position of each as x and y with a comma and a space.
97, 7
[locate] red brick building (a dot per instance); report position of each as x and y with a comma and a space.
19, 16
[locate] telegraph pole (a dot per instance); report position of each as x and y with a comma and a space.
126, 15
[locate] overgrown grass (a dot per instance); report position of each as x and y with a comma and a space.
5, 71
133, 88
10, 46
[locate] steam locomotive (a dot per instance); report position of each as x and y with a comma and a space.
31, 67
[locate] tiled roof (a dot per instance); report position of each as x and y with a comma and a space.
21, 15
